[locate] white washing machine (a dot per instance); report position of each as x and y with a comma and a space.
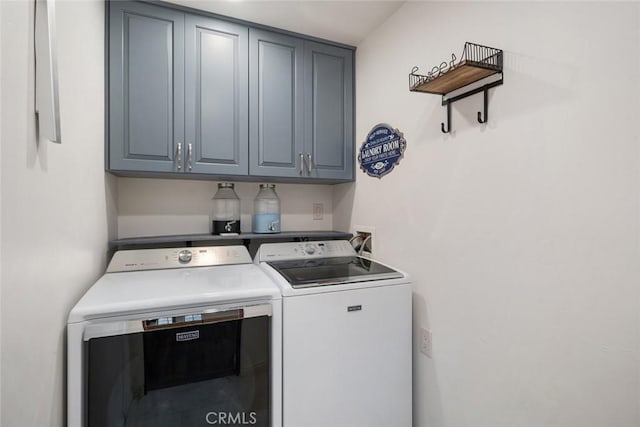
346, 336
176, 337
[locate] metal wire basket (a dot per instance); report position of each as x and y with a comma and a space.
487, 59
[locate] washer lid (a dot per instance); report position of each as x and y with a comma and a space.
306, 273
125, 293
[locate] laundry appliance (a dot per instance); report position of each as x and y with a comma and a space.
346, 336
176, 337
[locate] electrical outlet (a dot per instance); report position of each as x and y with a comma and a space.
318, 211
426, 342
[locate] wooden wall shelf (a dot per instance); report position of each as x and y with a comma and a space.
477, 63
461, 75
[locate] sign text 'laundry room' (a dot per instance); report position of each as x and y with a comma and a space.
382, 150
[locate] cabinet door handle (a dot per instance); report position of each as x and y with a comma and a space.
301, 169
179, 156
310, 164
190, 156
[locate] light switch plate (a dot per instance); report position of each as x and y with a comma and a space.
318, 211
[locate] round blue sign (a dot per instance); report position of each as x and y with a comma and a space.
382, 150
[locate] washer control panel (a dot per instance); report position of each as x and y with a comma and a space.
164, 258
302, 250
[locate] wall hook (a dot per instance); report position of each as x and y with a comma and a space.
486, 107
448, 129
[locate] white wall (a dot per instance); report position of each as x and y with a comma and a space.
522, 236
56, 206
151, 207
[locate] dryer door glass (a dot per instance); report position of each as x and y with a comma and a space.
195, 375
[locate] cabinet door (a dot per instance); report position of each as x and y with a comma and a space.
146, 87
216, 99
276, 104
329, 110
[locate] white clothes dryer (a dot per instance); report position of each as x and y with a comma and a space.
176, 337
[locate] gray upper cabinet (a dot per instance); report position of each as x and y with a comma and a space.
194, 94
178, 92
146, 87
328, 77
301, 108
276, 104
216, 104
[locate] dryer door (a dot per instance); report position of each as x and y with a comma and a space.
191, 370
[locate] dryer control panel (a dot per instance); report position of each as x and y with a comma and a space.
164, 258
304, 250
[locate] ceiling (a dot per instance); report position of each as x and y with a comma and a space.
347, 22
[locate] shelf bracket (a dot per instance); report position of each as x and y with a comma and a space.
482, 117
448, 120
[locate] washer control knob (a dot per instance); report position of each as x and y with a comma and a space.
184, 257
310, 249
